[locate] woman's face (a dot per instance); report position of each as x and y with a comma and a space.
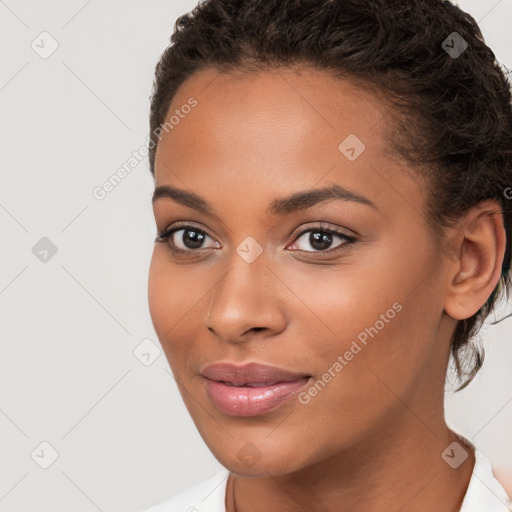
355, 316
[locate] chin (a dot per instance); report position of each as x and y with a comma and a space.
260, 469
261, 458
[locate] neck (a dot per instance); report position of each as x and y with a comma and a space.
399, 469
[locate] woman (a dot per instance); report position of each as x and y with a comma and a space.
331, 181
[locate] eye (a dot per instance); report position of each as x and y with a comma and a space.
185, 238
189, 238
321, 239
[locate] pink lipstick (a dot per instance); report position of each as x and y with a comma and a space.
252, 389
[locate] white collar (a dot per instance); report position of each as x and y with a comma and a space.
485, 492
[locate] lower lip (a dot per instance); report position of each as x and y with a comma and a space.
247, 401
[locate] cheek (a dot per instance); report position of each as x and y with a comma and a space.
339, 303
380, 316
158, 296
171, 305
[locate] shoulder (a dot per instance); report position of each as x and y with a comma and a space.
485, 492
206, 496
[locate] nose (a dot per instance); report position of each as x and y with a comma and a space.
246, 303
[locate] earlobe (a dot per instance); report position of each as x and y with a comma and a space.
476, 271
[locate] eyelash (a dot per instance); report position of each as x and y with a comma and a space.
164, 236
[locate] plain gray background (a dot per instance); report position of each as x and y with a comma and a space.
70, 325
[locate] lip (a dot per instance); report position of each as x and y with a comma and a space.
252, 389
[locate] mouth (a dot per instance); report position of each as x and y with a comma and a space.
252, 389
250, 384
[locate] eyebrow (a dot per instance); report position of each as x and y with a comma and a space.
280, 206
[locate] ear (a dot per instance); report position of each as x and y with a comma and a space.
478, 249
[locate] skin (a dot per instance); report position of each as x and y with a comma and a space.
372, 438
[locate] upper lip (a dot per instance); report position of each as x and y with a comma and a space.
250, 373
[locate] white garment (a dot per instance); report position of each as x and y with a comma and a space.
484, 493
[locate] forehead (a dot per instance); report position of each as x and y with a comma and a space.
288, 128
295, 102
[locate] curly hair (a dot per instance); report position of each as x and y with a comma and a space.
451, 115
